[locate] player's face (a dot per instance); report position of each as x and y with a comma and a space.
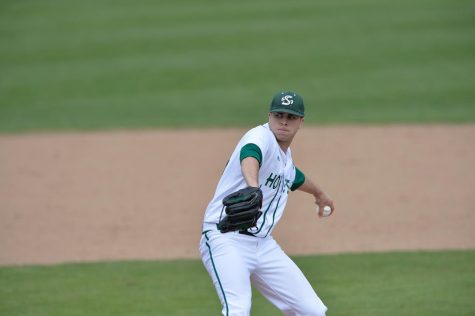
284, 126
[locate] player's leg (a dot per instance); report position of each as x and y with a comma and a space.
280, 280
228, 270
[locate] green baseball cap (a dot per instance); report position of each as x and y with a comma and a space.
288, 102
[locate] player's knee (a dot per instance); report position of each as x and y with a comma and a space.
237, 306
237, 310
312, 309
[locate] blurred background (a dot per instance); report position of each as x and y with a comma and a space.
121, 64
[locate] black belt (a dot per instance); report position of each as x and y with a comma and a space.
245, 232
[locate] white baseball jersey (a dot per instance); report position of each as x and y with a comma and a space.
235, 260
277, 175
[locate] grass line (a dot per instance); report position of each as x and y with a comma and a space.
401, 283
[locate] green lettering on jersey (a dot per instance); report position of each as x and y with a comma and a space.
270, 180
273, 181
276, 183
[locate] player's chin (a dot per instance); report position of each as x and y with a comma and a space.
283, 137
282, 133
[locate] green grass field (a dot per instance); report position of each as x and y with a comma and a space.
98, 64
389, 284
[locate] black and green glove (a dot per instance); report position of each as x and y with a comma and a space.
243, 209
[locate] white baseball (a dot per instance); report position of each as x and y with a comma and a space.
327, 210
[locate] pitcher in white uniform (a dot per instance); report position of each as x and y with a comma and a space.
241, 259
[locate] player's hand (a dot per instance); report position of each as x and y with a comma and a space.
324, 200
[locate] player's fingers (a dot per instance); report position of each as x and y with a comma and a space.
322, 210
330, 203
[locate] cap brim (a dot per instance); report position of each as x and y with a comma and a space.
287, 111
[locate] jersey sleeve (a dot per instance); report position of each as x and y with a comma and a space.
251, 150
254, 144
299, 179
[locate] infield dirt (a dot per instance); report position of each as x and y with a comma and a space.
142, 194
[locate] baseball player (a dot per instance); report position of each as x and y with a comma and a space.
237, 247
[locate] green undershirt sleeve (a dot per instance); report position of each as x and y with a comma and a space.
251, 150
299, 179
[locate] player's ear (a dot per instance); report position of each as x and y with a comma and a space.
301, 122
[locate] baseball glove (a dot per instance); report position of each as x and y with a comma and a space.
243, 209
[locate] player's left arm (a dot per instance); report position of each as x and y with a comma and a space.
307, 185
251, 159
250, 171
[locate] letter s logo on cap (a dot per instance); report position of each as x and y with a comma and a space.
287, 100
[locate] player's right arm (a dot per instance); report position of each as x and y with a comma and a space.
305, 184
321, 198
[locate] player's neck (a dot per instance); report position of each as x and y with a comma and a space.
283, 145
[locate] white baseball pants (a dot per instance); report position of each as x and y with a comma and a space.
234, 261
